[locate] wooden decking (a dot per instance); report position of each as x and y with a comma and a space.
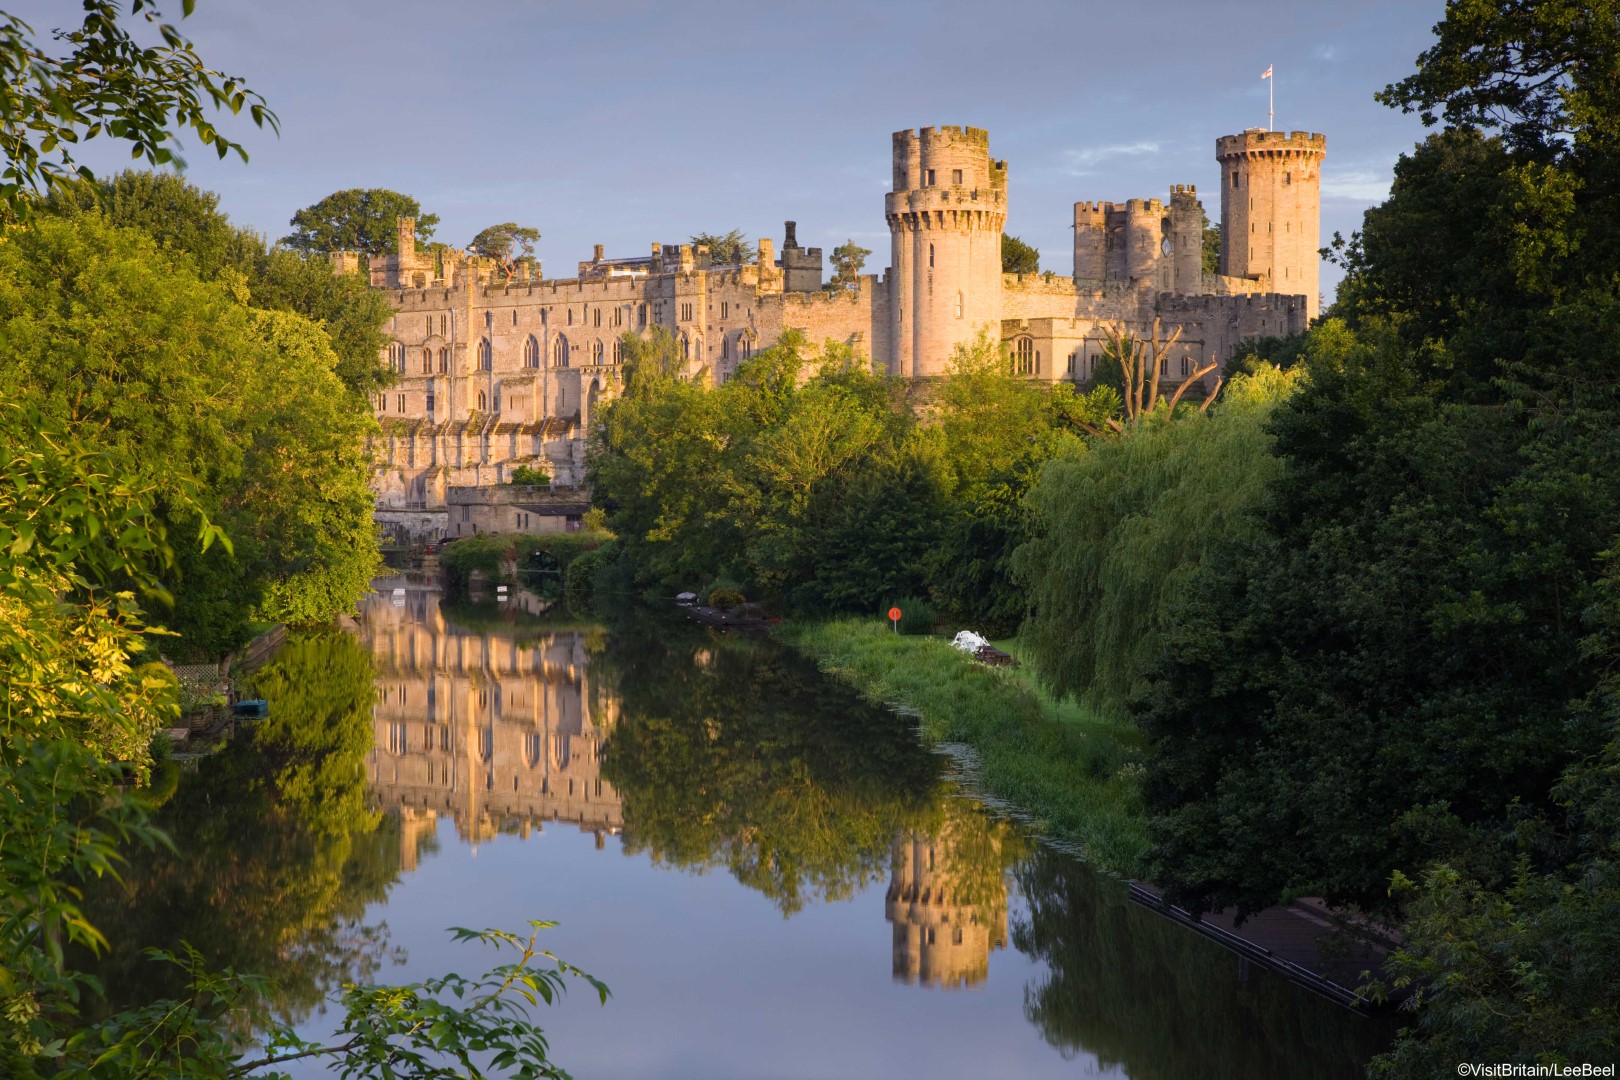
1302, 942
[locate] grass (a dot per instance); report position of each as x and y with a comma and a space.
1076, 772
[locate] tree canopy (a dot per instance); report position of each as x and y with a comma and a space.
357, 219
507, 244
728, 249
1018, 257
847, 260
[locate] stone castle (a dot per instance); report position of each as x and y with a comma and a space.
497, 374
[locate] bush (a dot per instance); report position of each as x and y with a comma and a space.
523, 474
579, 580
725, 598
917, 616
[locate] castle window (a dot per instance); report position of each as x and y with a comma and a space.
427, 361
641, 316
429, 320
598, 316
1288, 178
596, 353
482, 401
956, 177
1185, 370
531, 353
430, 402
618, 316
401, 402
486, 358
444, 360
1234, 179
959, 303
570, 316
497, 399
725, 309
930, 177
441, 324
560, 351
930, 255
618, 350
1024, 356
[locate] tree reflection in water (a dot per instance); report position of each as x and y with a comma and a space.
276, 854
1137, 990
733, 753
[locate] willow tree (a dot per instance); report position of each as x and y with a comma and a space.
1118, 531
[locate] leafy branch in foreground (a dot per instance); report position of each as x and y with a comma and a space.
98, 80
420, 1030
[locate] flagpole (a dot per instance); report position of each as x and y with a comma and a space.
1271, 107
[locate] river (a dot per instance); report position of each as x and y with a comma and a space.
773, 878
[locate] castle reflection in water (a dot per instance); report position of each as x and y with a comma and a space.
505, 735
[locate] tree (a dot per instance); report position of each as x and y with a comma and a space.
847, 259
1018, 257
357, 219
1142, 365
732, 249
97, 80
507, 244
187, 222
1212, 249
242, 404
1120, 530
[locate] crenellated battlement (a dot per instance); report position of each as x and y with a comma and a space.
1256, 141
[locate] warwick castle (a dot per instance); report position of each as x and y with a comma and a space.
493, 376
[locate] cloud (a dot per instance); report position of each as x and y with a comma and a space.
1357, 185
1326, 53
1085, 162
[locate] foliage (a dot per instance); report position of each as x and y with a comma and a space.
491, 553
1211, 249
730, 249
1121, 530
357, 219
1018, 257
507, 244
725, 598
1077, 773
916, 615
94, 80
240, 405
847, 260
186, 221
525, 474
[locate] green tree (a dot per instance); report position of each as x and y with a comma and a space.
507, 244
96, 80
357, 219
847, 259
1018, 257
730, 249
102, 329
186, 221
1121, 529
1211, 249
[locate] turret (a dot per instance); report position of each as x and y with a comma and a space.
1186, 236
1271, 210
945, 215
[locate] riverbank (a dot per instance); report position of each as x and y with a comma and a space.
1077, 773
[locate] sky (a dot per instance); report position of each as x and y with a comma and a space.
630, 122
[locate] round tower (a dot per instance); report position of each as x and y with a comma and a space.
945, 214
1271, 210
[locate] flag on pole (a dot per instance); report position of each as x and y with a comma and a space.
1266, 74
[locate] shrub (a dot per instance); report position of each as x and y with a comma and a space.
917, 616
725, 598
523, 474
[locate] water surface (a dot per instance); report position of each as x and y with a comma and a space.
775, 879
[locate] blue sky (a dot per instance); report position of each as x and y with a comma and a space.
630, 122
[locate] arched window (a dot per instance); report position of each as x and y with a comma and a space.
1024, 356
618, 351
486, 358
427, 361
481, 401
531, 750
444, 360
596, 350
559, 351
531, 352
686, 347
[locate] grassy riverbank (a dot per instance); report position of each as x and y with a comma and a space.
1077, 773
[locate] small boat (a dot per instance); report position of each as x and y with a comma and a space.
251, 709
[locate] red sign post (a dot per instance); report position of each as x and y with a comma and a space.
894, 617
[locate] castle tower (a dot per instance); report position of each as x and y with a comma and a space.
1271, 210
945, 214
1186, 236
